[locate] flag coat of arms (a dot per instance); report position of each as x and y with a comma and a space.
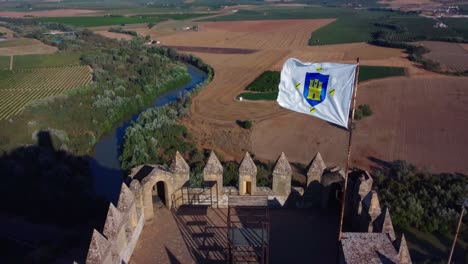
323, 90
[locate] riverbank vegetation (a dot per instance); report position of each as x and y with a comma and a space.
156, 136
126, 77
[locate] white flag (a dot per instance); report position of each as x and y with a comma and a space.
323, 90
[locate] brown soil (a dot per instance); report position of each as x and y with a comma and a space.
115, 35
9, 33
420, 119
464, 46
214, 111
213, 50
49, 13
452, 56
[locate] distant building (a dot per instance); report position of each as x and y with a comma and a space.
439, 24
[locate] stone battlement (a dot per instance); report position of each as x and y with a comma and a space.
150, 184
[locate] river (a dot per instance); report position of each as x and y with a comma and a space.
105, 165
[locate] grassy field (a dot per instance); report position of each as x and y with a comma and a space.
16, 42
4, 62
46, 60
19, 87
95, 21
265, 86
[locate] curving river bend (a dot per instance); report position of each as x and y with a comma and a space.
105, 165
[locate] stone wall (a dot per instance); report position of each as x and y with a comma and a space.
122, 229
135, 207
367, 216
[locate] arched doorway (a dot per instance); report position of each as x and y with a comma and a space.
159, 194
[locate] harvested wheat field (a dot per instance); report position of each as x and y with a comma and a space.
410, 4
114, 35
214, 111
49, 13
452, 56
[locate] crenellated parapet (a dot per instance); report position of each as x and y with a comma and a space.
153, 185
121, 231
371, 226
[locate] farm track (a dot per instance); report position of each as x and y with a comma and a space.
23, 86
391, 133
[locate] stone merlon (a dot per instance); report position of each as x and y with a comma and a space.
316, 169
247, 166
282, 166
403, 252
113, 222
98, 248
126, 198
387, 226
213, 166
179, 165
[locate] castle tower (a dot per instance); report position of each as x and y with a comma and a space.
181, 171
213, 171
99, 250
403, 252
247, 176
316, 170
113, 229
282, 176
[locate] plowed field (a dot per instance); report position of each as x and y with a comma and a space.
452, 56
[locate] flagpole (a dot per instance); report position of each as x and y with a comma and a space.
343, 200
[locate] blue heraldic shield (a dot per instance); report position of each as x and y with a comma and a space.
315, 88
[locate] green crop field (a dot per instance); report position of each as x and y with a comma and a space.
266, 82
377, 72
46, 60
19, 87
4, 62
96, 21
270, 96
265, 86
269, 13
459, 25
